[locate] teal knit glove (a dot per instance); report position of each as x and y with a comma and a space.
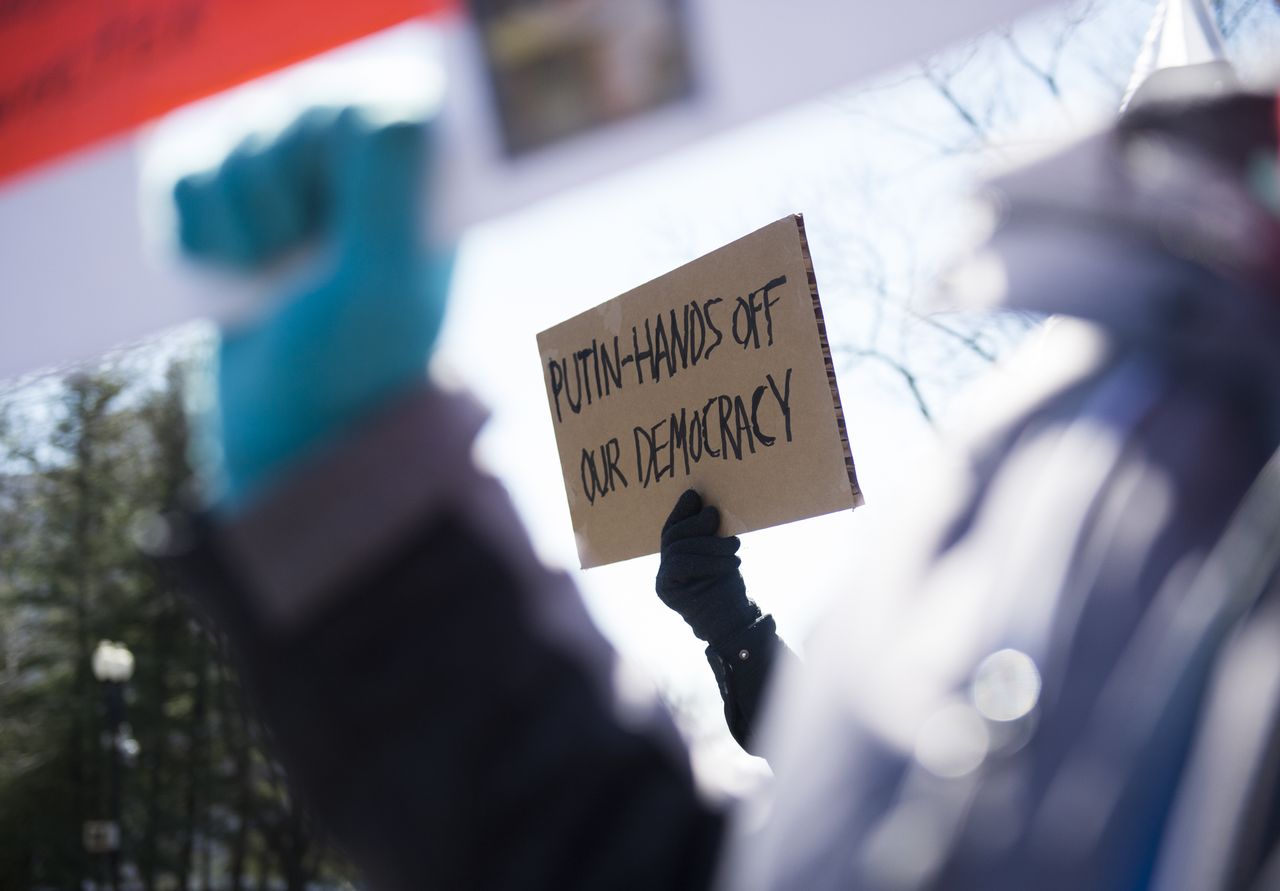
339, 348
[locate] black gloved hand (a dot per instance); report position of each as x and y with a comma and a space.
698, 576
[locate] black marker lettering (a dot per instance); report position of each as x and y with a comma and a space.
764, 439
784, 399
557, 384
745, 311
769, 304
706, 311
612, 370
590, 483
583, 374
680, 439
680, 340
658, 446
612, 472
724, 405
706, 429
696, 434
661, 351
639, 354
742, 423
696, 346
643, 456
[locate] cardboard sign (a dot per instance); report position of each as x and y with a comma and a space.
76, 71
716, 376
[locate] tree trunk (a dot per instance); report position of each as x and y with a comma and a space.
195, 762
239, 742
85, 748
157, 746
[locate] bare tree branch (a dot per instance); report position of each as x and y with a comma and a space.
1237, 18
967, 340
1046, 76
902, 371
942, 84
942, 148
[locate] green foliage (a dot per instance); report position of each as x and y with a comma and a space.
84, 462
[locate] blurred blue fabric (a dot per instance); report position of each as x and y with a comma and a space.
345, 344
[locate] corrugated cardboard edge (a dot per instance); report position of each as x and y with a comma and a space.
858, 500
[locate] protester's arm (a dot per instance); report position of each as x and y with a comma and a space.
699, 579
743, 667
439, 698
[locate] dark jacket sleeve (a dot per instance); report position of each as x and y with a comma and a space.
743, 667
446, 710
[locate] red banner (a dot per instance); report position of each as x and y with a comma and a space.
73, 72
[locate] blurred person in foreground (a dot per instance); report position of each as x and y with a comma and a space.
1044, 706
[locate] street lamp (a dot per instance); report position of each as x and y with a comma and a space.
112, 662
113, 666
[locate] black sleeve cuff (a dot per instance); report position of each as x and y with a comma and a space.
742, 665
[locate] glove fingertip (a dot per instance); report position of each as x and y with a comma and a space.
687, 505
710, 519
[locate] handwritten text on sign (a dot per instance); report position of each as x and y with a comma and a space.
715, 376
